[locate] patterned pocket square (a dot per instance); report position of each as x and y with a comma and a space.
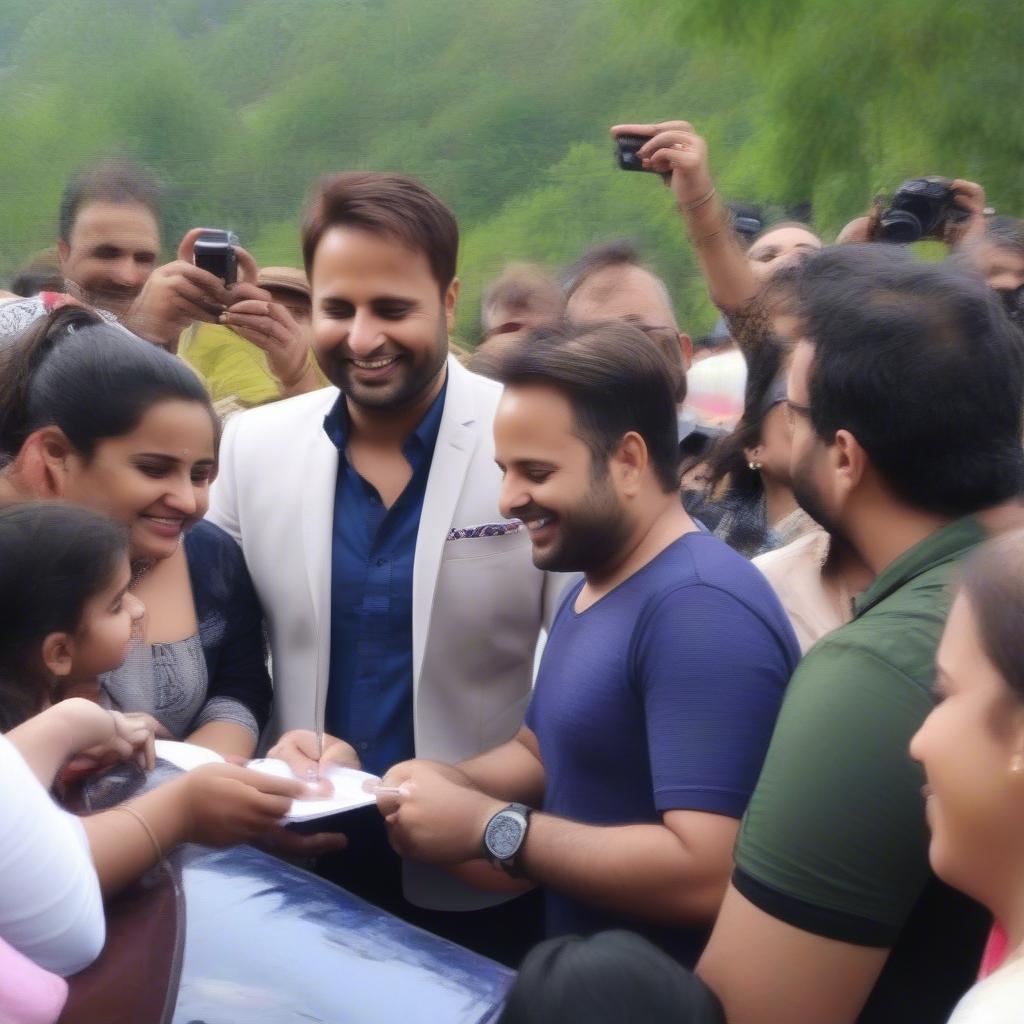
486, 530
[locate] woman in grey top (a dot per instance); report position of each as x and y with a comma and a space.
128, 429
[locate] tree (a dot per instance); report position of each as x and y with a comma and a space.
855, 96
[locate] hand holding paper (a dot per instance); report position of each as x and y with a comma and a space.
310, 756
345, 785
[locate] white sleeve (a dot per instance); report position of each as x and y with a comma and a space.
223, 510
996, 1000
50, 904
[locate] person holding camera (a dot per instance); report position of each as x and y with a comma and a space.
941, 209
108, 247
749, 502
952, 211
735, 278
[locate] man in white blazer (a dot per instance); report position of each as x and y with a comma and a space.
403, 610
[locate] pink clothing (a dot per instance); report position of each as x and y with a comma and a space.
28, 994
995, 951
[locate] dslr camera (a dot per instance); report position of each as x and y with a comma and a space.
920, 208
214, 250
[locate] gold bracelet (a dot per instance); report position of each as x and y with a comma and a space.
698, 203
128, 809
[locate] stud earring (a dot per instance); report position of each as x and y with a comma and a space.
755, 465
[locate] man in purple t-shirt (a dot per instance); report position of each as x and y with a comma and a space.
660, 682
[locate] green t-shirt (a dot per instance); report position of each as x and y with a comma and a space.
835, 840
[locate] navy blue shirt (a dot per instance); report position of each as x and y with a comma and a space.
369, 690
661, 696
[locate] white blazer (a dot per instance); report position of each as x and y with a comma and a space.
479, 604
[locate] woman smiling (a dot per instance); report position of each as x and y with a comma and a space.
125, 428
972, 750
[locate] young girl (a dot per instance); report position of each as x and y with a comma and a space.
971, 747
123, 427
65, 617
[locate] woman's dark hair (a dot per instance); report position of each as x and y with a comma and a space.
54, 557
727, 464
920, 363
610, 977
992, 580
616, 381
90, 378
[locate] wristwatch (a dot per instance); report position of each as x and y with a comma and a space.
504, 837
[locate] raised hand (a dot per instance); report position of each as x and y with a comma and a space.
271, 327
674, 148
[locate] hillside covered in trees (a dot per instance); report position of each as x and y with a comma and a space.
503, 108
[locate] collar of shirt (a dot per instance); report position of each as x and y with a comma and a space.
946, 545
419, 444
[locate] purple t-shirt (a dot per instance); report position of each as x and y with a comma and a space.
661, 696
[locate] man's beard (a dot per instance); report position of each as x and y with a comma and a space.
420, 371
591, 536
809, 499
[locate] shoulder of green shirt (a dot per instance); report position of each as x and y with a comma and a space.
838, 790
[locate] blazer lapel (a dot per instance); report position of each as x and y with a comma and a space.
316, 482
456, 442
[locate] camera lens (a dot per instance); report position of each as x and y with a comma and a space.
900, 226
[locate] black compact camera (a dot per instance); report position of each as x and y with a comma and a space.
214, 251
626, 147
920, 208
625, 152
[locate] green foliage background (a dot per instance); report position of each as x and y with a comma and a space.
503, 108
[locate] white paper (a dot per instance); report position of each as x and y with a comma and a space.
186, 756
348, 783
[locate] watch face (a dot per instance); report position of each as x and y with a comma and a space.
504, 835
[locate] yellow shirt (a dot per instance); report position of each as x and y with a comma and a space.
234, 370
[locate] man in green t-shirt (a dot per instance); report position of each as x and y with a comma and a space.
906, 392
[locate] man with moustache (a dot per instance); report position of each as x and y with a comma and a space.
108, 244
108, 247
660, 682
403, 610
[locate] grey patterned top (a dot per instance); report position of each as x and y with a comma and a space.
170, 682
